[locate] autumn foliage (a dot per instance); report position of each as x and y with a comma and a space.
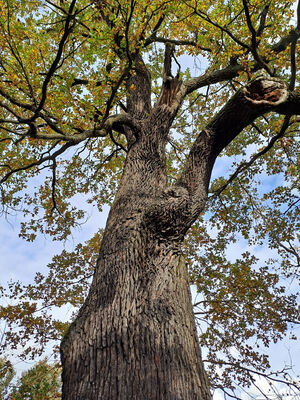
64, 81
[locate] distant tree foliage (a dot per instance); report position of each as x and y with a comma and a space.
41, 382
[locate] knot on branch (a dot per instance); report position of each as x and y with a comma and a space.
266, 91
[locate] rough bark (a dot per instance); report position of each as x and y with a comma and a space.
135, 336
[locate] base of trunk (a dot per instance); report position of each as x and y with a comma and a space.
135, 337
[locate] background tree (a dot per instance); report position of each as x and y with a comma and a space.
41, 382
92, 92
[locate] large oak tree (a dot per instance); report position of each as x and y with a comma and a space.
99, 94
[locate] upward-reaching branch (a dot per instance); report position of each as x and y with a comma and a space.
138, 87
67, 29
167, 74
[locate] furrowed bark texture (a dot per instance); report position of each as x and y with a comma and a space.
135, 336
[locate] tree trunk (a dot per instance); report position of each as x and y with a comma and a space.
135, 336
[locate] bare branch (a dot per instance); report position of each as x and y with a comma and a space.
293, 65
269, 376
167, 74
54, 207
179, 42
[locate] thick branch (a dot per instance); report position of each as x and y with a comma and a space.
245, 165
291, 37
261, 96
113, 123
167, 74
283, 43
210, 78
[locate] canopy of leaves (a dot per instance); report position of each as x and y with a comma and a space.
63, 73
